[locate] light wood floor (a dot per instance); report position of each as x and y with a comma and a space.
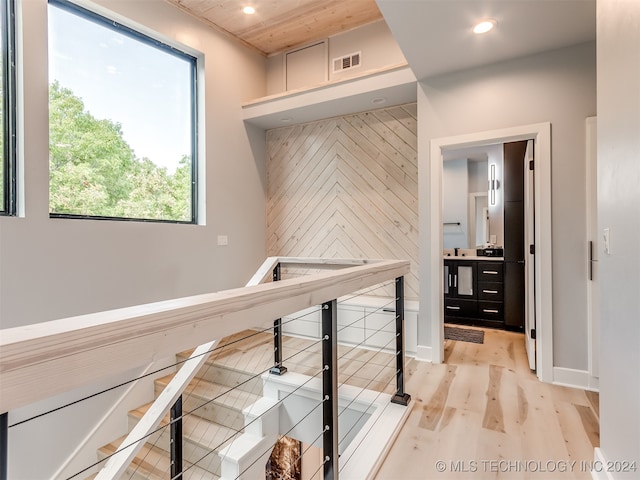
484, 414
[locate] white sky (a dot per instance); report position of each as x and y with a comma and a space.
126, 81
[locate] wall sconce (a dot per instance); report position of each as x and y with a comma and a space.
492, 185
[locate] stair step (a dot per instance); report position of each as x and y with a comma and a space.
200, 438
216, 372
212, 401
153, 463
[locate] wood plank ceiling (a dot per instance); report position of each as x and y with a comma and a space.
279, 25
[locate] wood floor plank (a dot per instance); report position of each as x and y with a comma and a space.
594, 401
493, 418
590, 423
433, 410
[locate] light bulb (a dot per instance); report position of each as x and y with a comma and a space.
484, 26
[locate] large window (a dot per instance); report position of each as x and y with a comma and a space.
122, 121
7, 110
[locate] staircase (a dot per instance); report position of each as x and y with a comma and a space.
217, 417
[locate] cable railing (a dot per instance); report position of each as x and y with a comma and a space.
313, 385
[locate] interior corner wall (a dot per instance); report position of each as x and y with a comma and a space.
618, 136
557, 87
55, 268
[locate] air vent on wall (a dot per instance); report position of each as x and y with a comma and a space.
346, 62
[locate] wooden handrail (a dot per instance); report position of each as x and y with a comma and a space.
41, 360
270, 263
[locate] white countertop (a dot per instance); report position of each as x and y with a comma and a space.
473, 257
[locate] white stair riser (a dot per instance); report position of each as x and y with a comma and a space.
229, 377
229, 416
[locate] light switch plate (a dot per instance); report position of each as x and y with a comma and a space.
223, 240
606, 237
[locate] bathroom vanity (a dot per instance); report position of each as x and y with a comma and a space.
474, 290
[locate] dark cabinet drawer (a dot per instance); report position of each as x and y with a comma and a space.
455, 307
491, 310
490, 272
491, 291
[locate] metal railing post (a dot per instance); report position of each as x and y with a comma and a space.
278, 368
400, 397
330, 389
176, 439
4, 445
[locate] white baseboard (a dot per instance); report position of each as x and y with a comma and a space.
599, 472
570, 377
423, 353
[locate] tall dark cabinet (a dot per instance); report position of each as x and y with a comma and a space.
514, 248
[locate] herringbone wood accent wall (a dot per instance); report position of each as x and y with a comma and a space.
346, 187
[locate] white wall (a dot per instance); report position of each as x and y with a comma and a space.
478, 176
379, 49
618, 24
54, 268
455, 203
559, 87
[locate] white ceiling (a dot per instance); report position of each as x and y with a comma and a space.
436, 35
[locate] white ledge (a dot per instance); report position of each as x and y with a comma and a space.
392, 86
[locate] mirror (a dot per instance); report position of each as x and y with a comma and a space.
472, 206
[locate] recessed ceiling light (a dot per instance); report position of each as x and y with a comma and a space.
378, 100
286, 119
484, 26
249, 10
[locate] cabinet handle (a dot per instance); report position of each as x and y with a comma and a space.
452, 308
389, 310
490, 272
489, 291
455, 281
487, 310
449, 280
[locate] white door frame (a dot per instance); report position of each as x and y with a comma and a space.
529, 267
541, 134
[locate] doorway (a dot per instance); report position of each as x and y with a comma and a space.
484, 211
433, 297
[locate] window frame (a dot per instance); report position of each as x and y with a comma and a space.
8, 205
145, 38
